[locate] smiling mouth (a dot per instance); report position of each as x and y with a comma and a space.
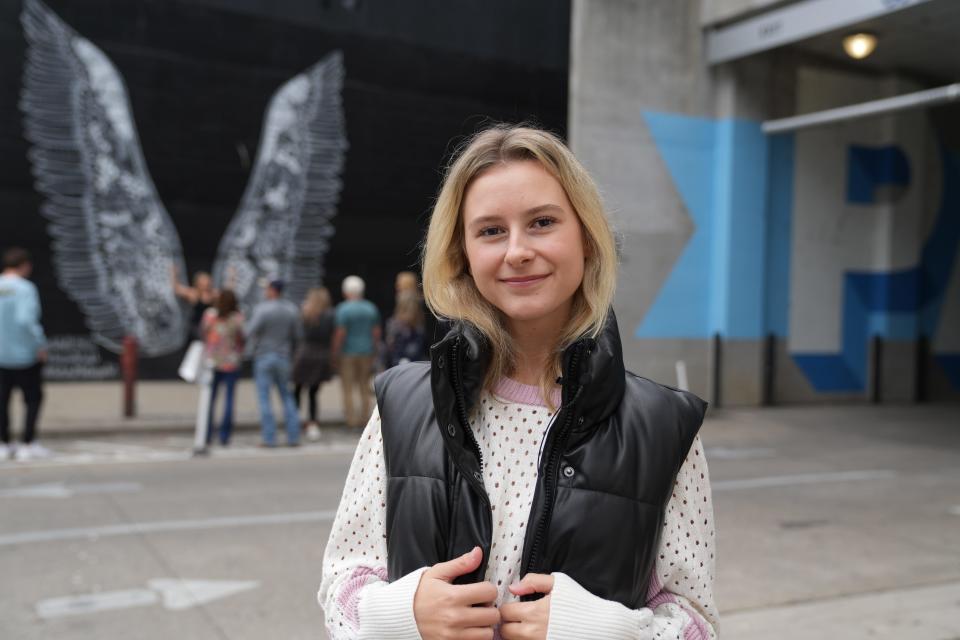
525, 280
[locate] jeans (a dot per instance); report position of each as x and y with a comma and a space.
229, 381
274, 369
29, 380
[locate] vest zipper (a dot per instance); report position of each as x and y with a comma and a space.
460, 402
461, 410
551, 470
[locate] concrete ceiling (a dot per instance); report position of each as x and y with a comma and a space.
921, 41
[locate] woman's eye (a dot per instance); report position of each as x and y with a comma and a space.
542, 223
489, 231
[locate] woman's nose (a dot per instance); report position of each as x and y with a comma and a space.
519, 251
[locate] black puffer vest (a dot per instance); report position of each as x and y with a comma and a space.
605, 477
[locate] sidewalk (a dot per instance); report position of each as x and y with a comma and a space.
79, 408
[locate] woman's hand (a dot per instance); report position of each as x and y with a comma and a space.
446, 611
527, 620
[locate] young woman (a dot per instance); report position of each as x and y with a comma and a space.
201, 296
404, 336
522, 484
222, 327
311, 363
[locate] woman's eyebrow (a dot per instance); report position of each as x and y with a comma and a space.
532, 211
543, 207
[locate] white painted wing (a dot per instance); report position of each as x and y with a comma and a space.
282, 227
113, 243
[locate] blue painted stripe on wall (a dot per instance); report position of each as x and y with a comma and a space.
779, 234
687, 148
871, 167
940, 252
950, 363
738, 304
831, 372
717, 284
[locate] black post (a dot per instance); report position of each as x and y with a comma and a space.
717, 368
876, 364
769, 369
922, 346
128, 365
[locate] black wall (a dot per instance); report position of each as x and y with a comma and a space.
419, 75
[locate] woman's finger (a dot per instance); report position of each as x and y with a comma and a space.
481, 593
479, 617
518, 611
532, 583
452, 569
516, 631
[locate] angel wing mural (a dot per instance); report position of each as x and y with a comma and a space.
114, 243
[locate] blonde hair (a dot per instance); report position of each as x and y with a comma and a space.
449, 289
409, 309
407, 282
315, 303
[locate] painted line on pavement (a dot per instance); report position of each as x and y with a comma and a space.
802, 478
139, 528
62, 490
99, 446
63, 459
176, 594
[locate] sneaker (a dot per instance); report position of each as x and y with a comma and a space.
32, 451
37, 450
6, 451
313, 431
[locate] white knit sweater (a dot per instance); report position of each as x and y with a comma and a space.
509, 426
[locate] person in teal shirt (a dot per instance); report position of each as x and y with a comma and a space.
23, 350
355, 344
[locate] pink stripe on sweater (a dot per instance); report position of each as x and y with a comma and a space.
657, 595
524, 393
349, 596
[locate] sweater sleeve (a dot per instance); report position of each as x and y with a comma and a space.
29, 317
680, 603
358, 601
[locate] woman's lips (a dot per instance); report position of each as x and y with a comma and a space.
524, 281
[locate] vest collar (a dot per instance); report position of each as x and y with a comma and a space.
593, 372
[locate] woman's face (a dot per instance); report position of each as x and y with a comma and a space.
524, 244
203, 283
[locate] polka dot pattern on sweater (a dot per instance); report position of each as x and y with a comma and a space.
509, 435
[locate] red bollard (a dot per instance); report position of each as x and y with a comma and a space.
128, 367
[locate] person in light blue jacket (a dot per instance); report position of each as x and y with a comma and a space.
23, 350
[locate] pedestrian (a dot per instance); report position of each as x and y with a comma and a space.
404, 339
223, 349
23, 352
355, 342
273, 332
311, 364
406, 283
201, 296
522, 484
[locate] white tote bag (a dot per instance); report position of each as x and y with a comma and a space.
192, 362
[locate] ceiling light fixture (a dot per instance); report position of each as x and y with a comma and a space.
859, 45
